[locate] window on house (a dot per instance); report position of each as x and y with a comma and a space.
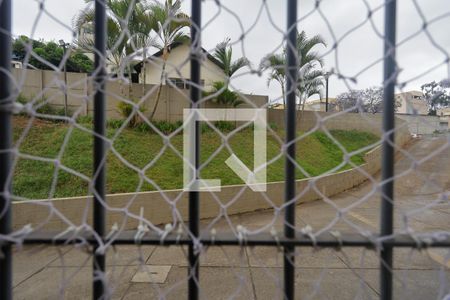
202, 83
178, 82
183, 84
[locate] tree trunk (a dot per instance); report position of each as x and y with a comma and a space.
301, 107
303, 104
143, 73
155, 107
130, 86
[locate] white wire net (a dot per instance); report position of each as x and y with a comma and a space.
337, 162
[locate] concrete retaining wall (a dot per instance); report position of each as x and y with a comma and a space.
425, 124
49, 85
309, 120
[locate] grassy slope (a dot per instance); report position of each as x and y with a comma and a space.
316, 153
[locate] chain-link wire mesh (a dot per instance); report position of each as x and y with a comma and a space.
338, 98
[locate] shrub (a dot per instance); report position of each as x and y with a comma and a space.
114, 123
165, 127
224, 125
204, 127
48, 109
178, 124
85, 119
61, 112
126, 109
44, 108
273, 125
143, 127
22, 99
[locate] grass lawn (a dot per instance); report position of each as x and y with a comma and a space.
316, 153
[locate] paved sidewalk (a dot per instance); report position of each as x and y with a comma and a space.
256, 273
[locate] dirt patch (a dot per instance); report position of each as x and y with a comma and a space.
22, 122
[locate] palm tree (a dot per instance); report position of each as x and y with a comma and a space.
309, 78
223, 95
136, 28
168, 23
310, 82
122, 26
223, 53
276, 62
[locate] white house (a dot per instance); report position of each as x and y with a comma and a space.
15, 62
178, 68
411, 102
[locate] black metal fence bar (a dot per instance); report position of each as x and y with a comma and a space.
387, 160
262, 239
99, 143
291, 83
193, 282
6, 101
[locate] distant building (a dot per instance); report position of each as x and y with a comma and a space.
410, 103
277, 106
443, 112
319, 104
15, 62
444, 116
312, 105
178, 66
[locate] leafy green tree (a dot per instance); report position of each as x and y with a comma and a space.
48, 55
369, 100
79, 62
19, 46
436, 95
351, 100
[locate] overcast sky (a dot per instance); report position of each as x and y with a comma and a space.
420, 58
